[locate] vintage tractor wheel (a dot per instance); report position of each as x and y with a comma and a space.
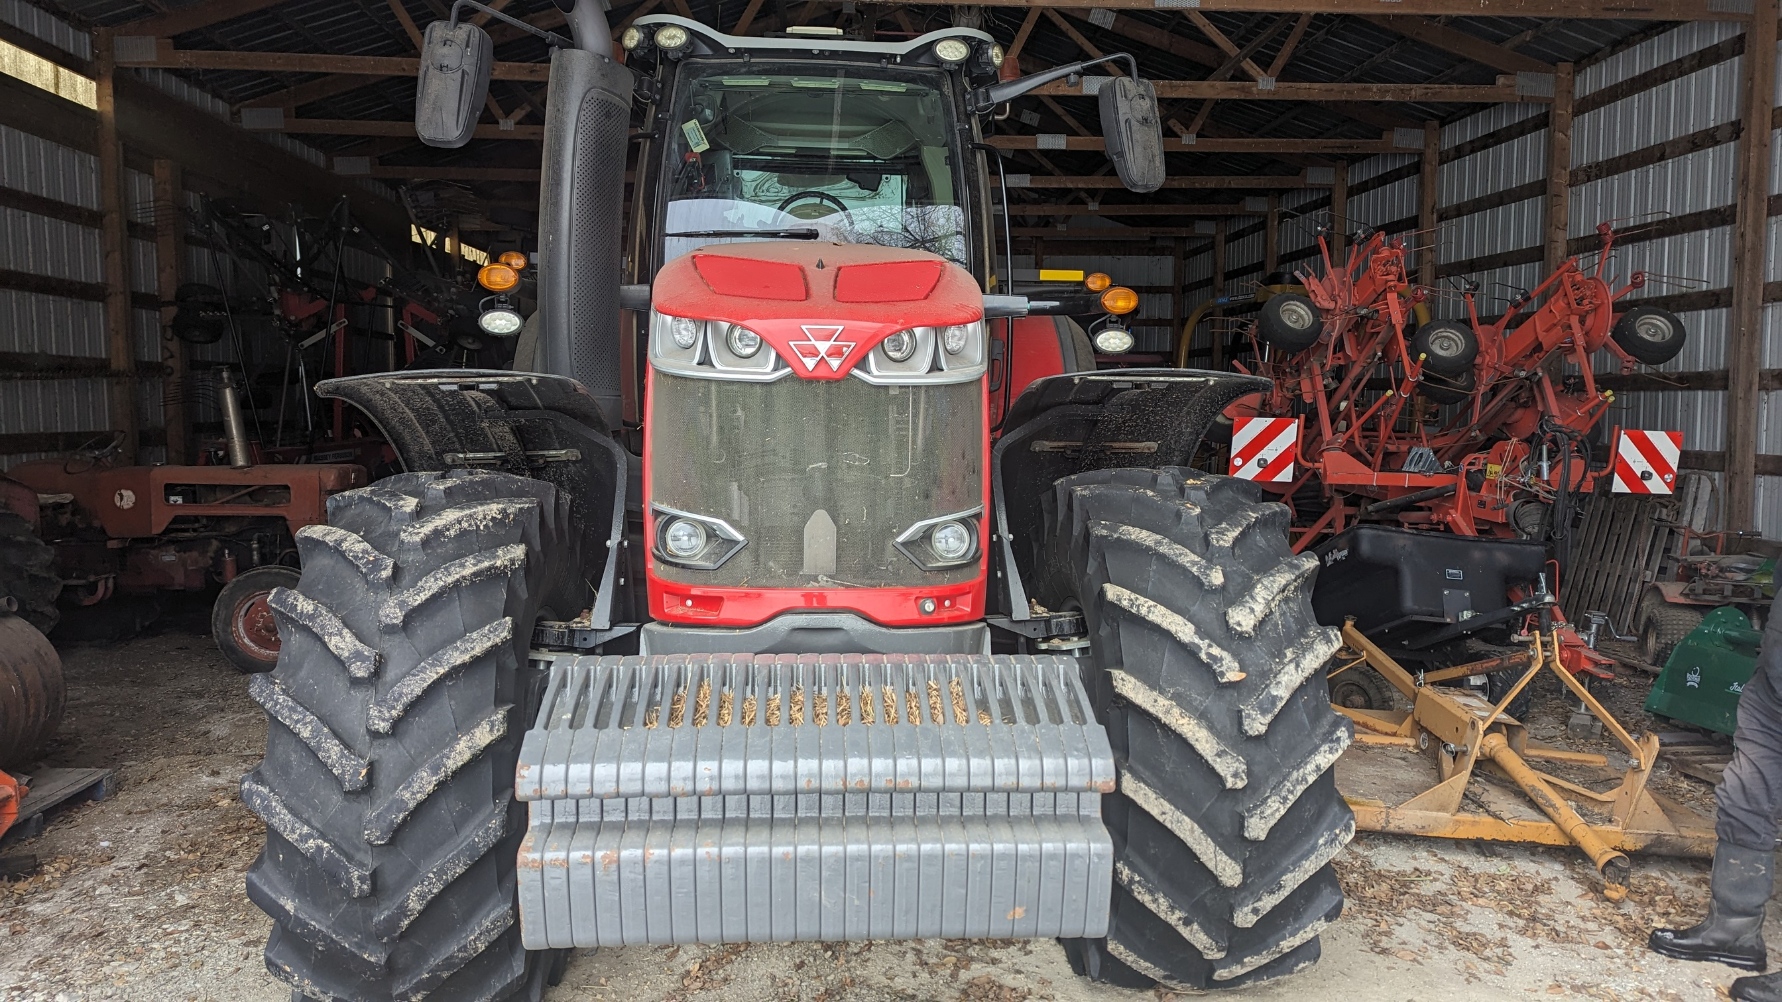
242, 621
396, 712
1289, 321
1663, 625
1207, 669
28, 572
1652, 335
1447, 348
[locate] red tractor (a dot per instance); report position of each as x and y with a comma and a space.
1378, 429
835, 654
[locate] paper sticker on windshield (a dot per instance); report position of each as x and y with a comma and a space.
696, 140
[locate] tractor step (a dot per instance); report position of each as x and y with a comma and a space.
770, 798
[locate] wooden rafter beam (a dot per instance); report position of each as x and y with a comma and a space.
1146, 34
1459, 43
1502, 92
1627, 10
1220, 209
1259, 182
1109, 232
1229, 47
193, 17
1286, 50
384, 127
167, 57
1207, 144
425, 173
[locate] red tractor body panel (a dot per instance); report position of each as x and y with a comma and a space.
823, 308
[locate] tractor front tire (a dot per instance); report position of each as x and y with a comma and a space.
1208, 670
394, 724
241, 618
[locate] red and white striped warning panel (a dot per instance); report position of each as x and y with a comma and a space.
1263, 448
1646, 461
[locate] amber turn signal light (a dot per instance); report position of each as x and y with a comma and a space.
497, 277
1119, 300
514, 260
1097, 281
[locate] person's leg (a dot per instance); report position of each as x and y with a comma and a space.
1744, 858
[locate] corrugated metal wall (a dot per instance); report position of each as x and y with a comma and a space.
36, 323
1695, 182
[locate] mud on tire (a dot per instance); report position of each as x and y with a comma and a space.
395, 717
1209, 674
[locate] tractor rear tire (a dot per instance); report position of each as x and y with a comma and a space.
28, 573
1208, 670
395, 717
1663, 625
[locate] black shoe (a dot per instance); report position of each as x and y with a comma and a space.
1718, 939
1763, 988
1732, 934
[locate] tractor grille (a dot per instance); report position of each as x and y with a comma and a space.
768, 798
767, 457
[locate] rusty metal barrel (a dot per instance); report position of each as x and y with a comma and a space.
32, 694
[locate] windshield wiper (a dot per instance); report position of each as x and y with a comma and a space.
795, 233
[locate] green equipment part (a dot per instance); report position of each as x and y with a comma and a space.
1707, 671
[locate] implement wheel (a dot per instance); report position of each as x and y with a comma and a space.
395, 717
1663, 625
1208, 670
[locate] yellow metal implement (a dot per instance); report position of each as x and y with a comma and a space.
1453, 731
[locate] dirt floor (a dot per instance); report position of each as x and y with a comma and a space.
140, 897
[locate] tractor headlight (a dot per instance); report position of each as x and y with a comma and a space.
901, 345
996, 54
684, 331
935, 544
684, 537
742, 342
1113, 341
672, 37
950, 540
697, 541
630, 38
500, 321
950, 51
954, 339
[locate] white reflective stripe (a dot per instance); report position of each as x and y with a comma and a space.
1646, 462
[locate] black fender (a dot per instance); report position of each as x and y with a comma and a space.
526, 423
1081, 421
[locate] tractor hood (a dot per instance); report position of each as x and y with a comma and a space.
822, 306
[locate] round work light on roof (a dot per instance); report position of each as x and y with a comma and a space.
951, 51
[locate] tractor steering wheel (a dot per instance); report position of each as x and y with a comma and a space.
821, 196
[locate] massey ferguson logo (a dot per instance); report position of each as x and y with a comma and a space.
822, 346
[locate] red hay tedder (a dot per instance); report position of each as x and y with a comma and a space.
1382, 422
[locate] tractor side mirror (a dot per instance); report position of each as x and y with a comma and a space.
456, 60
1133, 132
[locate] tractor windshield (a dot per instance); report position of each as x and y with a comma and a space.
813, 151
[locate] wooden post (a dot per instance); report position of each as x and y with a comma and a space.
1559, 166
1339, 211
1217, 330
1429, 200
1744, 348
114, 236
170, 232
1271, 236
